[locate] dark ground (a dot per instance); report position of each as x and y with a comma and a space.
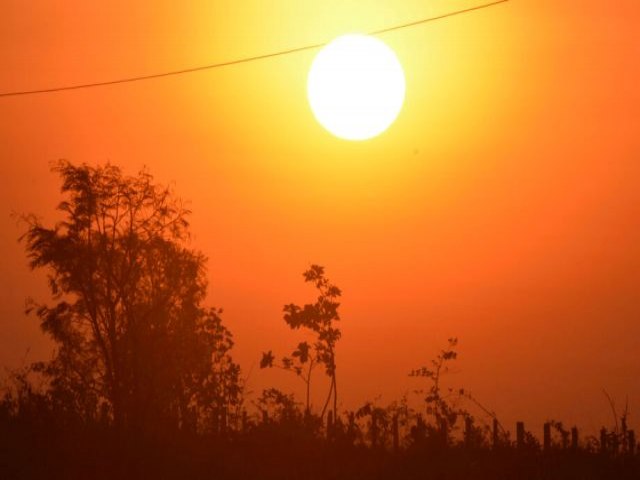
263, 454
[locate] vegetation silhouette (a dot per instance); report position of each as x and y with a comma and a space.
134, 345
319, 318
142, 383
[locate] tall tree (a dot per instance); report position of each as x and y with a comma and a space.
130, 330
320, 318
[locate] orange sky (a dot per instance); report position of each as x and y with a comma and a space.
501, 207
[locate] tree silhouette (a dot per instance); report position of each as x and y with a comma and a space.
319, 318
442, 403
132, 337
301, 363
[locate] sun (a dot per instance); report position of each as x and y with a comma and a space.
356, 87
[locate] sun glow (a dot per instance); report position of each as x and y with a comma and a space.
356, 87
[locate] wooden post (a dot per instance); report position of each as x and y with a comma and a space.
631, 443
496, 435
615, 444
374, 429
574, 439
396, 434
468, 431
352, 426
520, 435
603, 440
547, 437
244, 421
420, 429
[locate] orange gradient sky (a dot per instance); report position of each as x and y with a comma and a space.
502, 206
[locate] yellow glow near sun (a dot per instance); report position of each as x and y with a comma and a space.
356, 87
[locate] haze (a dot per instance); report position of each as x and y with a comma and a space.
502, 207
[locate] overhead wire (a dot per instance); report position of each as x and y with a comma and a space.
244, 59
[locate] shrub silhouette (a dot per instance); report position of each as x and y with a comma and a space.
441, 404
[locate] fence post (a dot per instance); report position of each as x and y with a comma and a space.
420, 430
615, 444
374, 429
244, 421
574, 438
468, 431
352, 426
496, 437
603, 440
547, 437
520, 435
396, 434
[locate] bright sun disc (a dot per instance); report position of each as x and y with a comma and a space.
356, 87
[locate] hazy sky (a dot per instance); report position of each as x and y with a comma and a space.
502, 207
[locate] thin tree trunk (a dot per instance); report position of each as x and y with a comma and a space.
335, 396
326, 403
309, 387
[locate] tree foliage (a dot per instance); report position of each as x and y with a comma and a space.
132, 337
320, 319
441, 403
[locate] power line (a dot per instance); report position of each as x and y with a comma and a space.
439, 17
245, 59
